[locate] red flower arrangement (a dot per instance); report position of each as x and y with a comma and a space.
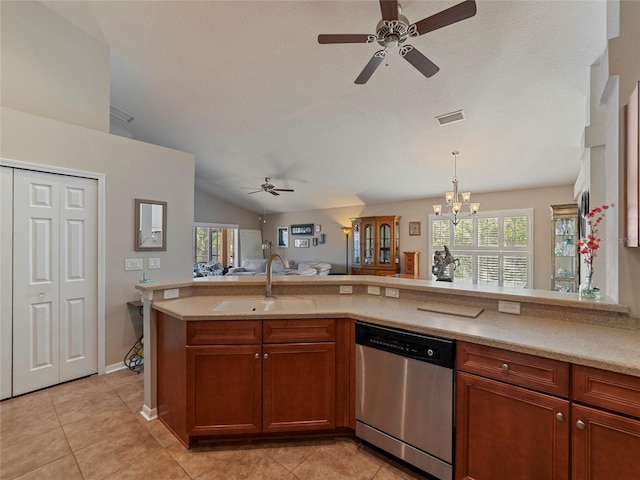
589, 246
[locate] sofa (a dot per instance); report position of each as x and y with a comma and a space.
258, 266
322, 268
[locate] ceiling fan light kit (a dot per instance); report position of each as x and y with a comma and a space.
393, 31
455, 201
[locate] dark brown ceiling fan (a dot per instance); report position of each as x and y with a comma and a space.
394, 29
268, 187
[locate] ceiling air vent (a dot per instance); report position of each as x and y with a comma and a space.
452, 117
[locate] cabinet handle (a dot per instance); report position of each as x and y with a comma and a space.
257, 355
505, 367
266, 355
560, 416
580, 424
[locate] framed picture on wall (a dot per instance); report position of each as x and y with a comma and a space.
302, 229
414, 228
301, 243
283, 237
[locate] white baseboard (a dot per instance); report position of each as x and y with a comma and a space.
149, 413
114, 367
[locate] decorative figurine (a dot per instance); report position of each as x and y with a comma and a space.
441, 263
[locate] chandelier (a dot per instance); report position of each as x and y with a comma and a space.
455, 201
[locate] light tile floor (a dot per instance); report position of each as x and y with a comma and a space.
92, 429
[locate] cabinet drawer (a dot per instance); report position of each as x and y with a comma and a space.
543, 374
299, 331
224, 332
610, 390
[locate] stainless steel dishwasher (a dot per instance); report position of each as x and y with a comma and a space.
404, 396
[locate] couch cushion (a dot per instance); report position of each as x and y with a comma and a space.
255, 265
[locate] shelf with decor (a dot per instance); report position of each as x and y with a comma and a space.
565, 265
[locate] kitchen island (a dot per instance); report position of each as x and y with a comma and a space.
551, 327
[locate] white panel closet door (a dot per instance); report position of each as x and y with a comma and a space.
54, 279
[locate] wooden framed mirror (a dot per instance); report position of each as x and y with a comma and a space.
151, 226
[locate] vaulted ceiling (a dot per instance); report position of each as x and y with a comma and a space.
245, 86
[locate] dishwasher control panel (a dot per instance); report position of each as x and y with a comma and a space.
422, 347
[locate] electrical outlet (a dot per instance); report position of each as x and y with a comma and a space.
373, 290
346, 289
154, 263
171, 293
509, 307
133, 264
392, 292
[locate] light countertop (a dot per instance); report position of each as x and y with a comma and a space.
606, 347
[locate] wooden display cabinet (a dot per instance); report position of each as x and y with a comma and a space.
378, 245
565, 258
411, 263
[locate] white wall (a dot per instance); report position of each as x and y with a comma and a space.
55, 111
209, 209
132, 170
334, 250
51, 68
624, 61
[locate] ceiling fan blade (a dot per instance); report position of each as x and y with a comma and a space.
257, 191
389, 9
284, 190
446, 17
418, 60
273, 192
345, 38
371, 67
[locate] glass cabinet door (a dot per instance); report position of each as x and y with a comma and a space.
565, 253
384, 232
355, 232
368, 244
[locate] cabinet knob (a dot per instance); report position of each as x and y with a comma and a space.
257, 355
265, 356
505, 367
580, 424
560, 416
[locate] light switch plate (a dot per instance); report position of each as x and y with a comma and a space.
133, 264
373, 290
346, 289
154, 263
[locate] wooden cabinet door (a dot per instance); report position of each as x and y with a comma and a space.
505, 432
224, 389
299, 387
605, 445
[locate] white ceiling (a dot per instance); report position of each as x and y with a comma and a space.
245, 86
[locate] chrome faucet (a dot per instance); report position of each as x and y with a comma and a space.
285, 264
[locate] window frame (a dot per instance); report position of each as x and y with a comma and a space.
501, 251
219, 226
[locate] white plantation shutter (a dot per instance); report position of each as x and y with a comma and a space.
514, 270
488, 232
494, 248
489, 269
463, 233
440, 233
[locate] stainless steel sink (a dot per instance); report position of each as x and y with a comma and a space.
255, 304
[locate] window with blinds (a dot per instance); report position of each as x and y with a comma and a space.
494, 248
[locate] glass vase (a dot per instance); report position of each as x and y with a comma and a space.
587, 290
